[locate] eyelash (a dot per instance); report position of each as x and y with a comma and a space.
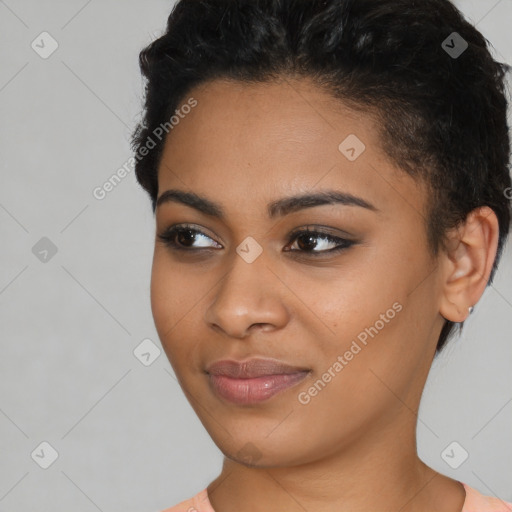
167, 237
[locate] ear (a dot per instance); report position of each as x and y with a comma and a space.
467, 263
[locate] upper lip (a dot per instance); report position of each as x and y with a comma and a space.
250, 368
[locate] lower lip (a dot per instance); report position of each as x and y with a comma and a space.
257, 389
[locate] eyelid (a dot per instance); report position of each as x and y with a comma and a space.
331, 232
191, 226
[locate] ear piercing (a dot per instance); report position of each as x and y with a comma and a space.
470, 309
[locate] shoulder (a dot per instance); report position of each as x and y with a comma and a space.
477, 502
198, 503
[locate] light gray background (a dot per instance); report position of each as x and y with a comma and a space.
126, 437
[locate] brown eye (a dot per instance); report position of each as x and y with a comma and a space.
306, 242
317, 243
184, 237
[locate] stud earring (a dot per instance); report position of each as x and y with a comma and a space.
470, 309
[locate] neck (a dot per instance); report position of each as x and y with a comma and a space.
378, 472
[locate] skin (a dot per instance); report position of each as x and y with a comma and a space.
353, 446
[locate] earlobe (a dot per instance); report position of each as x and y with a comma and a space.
467, 263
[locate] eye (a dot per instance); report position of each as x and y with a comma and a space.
315, 242
307, 242
183, 237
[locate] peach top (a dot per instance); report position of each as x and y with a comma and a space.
474, 502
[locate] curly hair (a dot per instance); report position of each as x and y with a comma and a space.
442, 117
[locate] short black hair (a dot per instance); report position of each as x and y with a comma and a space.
420, 68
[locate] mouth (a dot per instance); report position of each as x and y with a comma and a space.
254, 380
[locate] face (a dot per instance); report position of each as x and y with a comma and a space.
353, 302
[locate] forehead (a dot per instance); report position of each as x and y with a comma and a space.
275, 138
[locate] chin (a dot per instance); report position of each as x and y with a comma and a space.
263, 452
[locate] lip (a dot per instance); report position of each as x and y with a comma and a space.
253, 380
250, 368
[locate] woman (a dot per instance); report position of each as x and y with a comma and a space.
330, 183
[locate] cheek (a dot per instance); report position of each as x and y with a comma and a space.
177, 304
163, 304
348, 305
372, 327
171, 299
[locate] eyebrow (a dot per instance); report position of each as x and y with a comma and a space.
278, 208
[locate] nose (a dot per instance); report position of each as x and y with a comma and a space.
249, 297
